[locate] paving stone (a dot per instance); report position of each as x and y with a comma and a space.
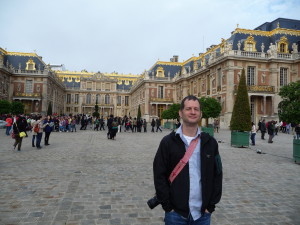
84, 178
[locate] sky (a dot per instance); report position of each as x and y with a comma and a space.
128, 36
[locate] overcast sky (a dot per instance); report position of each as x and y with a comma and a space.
128, 36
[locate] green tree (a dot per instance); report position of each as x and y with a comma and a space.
5, 107
49, 111
210, 108
96, 110
241, 116
166, 114
17, 107
139, 115
289, 107
174, 111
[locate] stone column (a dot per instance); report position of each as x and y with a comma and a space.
265, 105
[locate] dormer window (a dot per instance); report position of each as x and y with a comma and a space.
283, 45
160, 72
249, 44
30, 65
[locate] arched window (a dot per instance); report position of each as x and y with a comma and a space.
283, 45
107, 99
30, 65
250, 44
160, 72
88, 99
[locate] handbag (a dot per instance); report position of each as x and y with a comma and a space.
22, 134
13, 135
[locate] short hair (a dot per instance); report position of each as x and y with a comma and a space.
189, 97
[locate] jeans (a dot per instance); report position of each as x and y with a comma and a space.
253, 138
173, 218
33, 138
8, 130
38, 139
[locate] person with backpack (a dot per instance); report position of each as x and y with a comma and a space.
114, 129
48, 127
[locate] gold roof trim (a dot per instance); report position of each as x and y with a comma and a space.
22, 54
2, 50
268, 33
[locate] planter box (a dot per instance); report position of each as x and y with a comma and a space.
240, 139
296, 150
209, 130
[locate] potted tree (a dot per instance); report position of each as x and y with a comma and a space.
96, 110
210, 108
240, 124
289, 111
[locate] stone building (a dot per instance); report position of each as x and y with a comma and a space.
25, 77
269, 54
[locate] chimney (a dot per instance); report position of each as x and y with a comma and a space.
175, 57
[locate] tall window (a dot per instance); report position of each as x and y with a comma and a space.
250, 75
119, 100
107, 87
76, 98
28, 86
250, 47
68, 98
160, 91
126, 100
88, 99
107, 99
283, 76
282, 47
219, 77
89, 85
97, 98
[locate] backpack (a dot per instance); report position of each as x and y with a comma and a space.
36, 128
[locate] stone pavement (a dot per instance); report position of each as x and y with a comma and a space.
84, 179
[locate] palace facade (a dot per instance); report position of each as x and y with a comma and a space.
269, 54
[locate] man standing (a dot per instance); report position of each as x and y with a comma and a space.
263, 129
193, 194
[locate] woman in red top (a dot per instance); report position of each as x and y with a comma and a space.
9, 122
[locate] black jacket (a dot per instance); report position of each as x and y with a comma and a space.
175, 196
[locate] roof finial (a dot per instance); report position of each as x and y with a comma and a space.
278, 25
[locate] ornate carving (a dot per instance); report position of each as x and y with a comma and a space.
250, 44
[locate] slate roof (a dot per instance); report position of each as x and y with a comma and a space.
169, 68
15, 60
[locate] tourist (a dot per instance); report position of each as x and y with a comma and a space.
192, 196
33, 124
152, 125
48, 125
158, 125
9, 122
18, 127
263, 129
271, 131
253, 133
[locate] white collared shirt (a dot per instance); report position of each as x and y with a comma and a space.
195, 197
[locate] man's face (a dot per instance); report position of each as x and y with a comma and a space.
191, 113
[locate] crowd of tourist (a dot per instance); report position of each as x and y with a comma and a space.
38, 124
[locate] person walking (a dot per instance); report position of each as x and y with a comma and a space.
18, 127
253, 133
158, 123
271, 131
190, 197
48, 126
109, 126
145, 125
102, 123
33, 124
297, 131
9, 123
263, 129
39, 131
152, 125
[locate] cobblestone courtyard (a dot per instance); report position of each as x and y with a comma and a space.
83, 178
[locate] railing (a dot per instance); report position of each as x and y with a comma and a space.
161, 100
18, 94
100, 105
261, 88
258, 88
284, 56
